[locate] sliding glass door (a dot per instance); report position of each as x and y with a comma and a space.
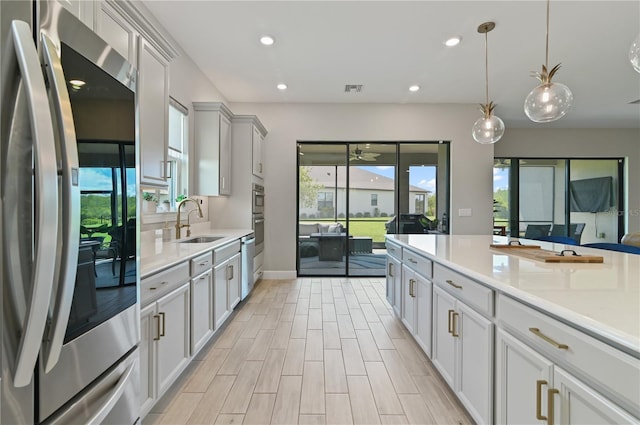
349, 195
574, 201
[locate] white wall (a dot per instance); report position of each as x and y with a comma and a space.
582, 143
471, 163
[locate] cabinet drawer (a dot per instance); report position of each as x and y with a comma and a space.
422, 265
202, 263
225, 252
464, 288
161, 283
614, 373
394, 250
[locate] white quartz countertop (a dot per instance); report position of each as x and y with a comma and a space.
156, 255
602, 299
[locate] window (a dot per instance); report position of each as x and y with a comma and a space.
374, 199
177, 155
325, 200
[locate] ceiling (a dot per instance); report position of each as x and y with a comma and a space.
389, 45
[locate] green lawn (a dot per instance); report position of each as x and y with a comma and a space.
372, 227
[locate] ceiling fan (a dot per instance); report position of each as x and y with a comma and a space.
359, 155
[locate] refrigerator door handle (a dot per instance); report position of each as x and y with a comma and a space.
69, 240
106, 408
33, 316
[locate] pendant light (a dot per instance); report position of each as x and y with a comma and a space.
634, 54
488, 129
549, 101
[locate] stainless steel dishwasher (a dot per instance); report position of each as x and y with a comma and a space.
247, 253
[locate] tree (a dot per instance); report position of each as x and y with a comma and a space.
308, 188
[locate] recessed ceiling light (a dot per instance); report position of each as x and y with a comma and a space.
267, 40
282, 86
453, 41
414, 87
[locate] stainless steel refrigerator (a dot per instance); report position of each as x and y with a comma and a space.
68, 225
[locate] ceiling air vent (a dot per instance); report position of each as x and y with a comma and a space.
352, 88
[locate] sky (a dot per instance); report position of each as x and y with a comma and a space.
424, 177
93, 178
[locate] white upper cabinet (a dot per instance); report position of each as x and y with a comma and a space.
153, 102
113, 28
257, 146
81, 9
212, 149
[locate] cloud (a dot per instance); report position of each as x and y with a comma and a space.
94, 179
383, 167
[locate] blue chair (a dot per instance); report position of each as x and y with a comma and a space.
536, 231
614, 247
558, 239
575, 231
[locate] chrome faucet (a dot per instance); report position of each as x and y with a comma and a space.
188, 226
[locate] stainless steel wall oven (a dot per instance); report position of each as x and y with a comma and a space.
70, 327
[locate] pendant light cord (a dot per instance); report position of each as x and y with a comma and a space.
486, 66
546, 60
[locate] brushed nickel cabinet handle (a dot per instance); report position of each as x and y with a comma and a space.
163, 323
157, 337
454, 324
539, 384
550, 393
390, 271
539, 334
232, 272
413, 261
452, 283
411, 283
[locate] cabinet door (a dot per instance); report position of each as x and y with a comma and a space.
153, 100
576, 403
520, 374
149, 334
201, 310
475, 368
220, 300
234, 273
173, 346
116, 31
81, 9
256, 148
394, 283
225, 155
423, 305
444, 342
407, 313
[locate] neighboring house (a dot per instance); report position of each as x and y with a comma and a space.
370, 194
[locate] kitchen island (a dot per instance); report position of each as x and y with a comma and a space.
497, 324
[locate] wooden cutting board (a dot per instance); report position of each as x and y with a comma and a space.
535, 253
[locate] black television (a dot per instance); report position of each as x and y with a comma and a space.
591, 195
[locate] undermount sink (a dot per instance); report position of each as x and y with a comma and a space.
202, 239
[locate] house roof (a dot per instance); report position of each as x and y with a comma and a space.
358, 179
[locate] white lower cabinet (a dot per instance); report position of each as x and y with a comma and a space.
226, 280
575, 403
416, 303
548, 372
520, 376
164, 345
201, 310
463, 353
394, 282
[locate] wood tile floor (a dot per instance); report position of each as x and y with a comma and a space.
311, 351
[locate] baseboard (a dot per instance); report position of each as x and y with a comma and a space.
279, 274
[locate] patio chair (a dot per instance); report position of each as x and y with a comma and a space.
535, 231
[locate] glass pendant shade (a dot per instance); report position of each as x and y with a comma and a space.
634, 54
548, 102
487, 130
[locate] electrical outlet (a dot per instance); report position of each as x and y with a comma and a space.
464, 212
